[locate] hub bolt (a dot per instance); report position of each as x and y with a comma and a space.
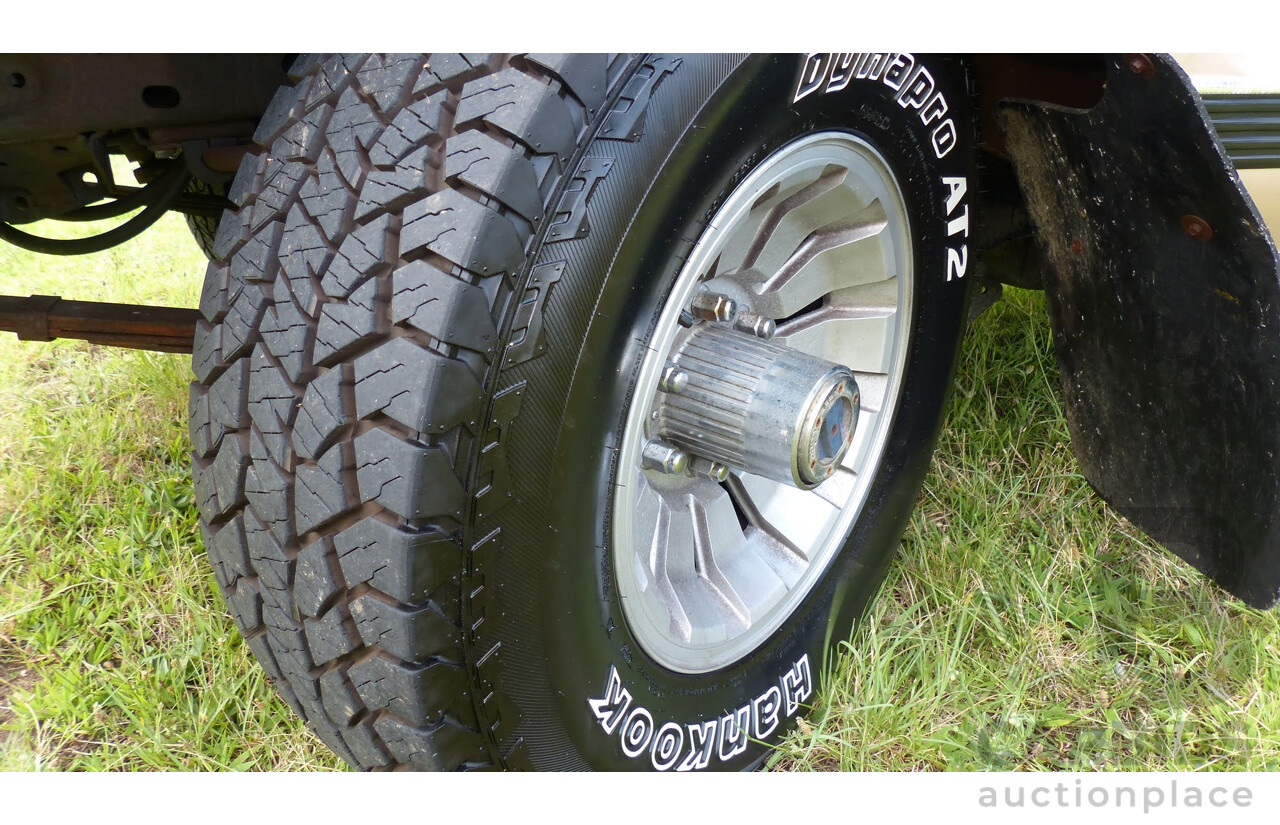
673, 379
712, 306
658, 455
713, 470
753, 324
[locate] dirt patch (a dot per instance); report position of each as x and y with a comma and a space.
14, 677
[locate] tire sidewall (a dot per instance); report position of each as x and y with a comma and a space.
707, 125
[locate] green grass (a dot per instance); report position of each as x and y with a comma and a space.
1024, 626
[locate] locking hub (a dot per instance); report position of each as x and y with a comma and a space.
754, 405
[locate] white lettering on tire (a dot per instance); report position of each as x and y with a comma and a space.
913, 86
691, 746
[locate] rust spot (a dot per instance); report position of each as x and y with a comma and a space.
1140, 65
1196, 227
1076, 246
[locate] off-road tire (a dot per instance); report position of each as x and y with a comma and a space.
336, 290
388, 430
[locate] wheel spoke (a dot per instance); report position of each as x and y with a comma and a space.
836, 255
715, 534
842, 336
768, 230
654, 519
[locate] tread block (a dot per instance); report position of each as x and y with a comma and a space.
363, 742
228, 549
244, 188
409, 567
327, 199
257, 258
417, 387
500, 171
269, 560
287, 332
313, 579
245, 602
304, 253
418, 695
408, 131
271, 496
345, 325
521, 106
411, 481
340, 701
322, 413
213, 294
390, 190
446, 308
273, 406
362, 255
204, 433
328, 638
206, 352
262, 652
320, 493
332, 77
281, 111
442, 69
222, 487
301, 140
443, 748
240, 327
228, 397
353, 127
281, 181
585, 75
304, 64
385, 76
412, 634
463, 231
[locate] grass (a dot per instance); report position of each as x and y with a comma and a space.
1025, 625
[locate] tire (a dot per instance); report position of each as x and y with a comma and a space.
416, 367
204, 228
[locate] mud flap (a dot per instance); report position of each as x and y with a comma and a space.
1164, 294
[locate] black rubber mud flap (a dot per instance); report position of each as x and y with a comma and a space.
1164, 296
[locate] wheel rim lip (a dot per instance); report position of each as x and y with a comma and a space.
653, 638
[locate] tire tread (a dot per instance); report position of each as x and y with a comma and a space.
377, 236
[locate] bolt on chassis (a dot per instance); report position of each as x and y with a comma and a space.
561, 411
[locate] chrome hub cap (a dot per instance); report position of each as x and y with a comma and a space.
763, 403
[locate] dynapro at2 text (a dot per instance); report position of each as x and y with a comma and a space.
912, 84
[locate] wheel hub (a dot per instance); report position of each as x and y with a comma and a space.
762, 405
748, 404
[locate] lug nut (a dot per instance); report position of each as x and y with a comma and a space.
712, 306
753, 324
673, 379
658, 455
713, 470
